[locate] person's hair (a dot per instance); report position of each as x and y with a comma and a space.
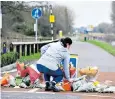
65, 41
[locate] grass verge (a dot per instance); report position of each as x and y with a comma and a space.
29, 58
107, 47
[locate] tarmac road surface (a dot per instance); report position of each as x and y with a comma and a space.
91, 55
52, 95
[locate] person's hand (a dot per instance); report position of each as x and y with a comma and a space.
70, 80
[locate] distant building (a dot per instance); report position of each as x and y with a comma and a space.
83, 30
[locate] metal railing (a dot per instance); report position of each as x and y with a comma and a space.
27, 48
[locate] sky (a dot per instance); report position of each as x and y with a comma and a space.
89, 12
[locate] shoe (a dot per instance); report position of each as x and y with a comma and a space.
54, 87
48, 86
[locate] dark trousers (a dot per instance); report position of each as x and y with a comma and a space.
57, 74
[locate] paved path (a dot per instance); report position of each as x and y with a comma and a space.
91, 55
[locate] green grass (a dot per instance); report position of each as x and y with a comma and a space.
107, 47
29, 58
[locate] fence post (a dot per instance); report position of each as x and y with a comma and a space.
38, 47
34, 48
11, 47
30, 48
14, 48
20, 50
25, 49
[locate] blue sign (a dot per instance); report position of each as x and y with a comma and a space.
74, 63
36, 13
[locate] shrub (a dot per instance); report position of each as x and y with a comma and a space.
29, 31
8, 58
18, 18
23, 28
19, 27
109, 38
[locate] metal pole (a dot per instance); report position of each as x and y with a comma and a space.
0, 18
36, 29
51, 12
52, 30
0, 22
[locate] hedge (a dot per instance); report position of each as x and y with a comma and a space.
8, 58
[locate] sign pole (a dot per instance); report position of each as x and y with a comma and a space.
51, 12
36, 14
36, 29
0, 17
52, 31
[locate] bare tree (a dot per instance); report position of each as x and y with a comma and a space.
104, 28
17, 17
64, 18
113, 15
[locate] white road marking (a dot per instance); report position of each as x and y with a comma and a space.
33, 90
99, 96
15, 91
46, 92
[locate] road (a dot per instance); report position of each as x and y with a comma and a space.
89, 55
52, 95
37, 96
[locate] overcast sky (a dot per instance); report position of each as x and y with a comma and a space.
89, 12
